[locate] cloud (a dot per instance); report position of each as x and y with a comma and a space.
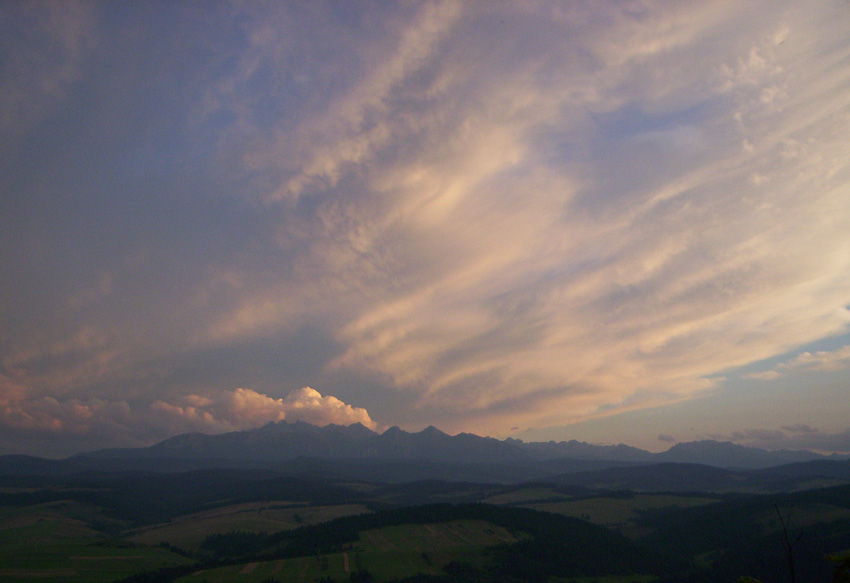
43, 46
794, 437
72, 417
309, 405
135, 424
799, 428
503, 215
666, 438
758, 435
495, 266
825, 360
412, 52
246, 409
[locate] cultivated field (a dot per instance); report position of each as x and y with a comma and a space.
50, 543
387, 553
188, 532
619, 513
527, 495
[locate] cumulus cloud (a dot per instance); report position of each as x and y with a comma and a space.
309, 405
246, 409
139, 424
226, 411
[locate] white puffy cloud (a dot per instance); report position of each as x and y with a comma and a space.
245, 409
309, 405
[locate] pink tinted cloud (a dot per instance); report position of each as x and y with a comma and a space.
127, 424
309, 405
244, 409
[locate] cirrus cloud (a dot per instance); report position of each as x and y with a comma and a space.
481, 215
824, 360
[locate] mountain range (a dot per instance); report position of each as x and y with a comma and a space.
284, 441
354, 451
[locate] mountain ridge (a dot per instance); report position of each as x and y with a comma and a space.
282, 441
354, 452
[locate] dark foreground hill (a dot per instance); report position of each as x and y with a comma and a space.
226, 520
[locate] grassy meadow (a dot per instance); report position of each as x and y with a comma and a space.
188, 532
619, 513
388, 553
54, 543
104, 534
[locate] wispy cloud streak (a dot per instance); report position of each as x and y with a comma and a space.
498, 214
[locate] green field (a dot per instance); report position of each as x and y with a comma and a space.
64, 540
188, 532
527, 495
388, 553
106, 531
85, 563
53, 543
300, 569
619, 513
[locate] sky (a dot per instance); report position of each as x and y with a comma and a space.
613, 221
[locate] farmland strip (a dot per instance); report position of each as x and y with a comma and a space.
248, 569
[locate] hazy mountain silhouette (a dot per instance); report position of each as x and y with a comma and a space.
283, 441
580, 450
397, 455
276, 442
725, 454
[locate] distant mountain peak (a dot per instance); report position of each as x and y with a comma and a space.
727, 454
431, 430
393, 431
